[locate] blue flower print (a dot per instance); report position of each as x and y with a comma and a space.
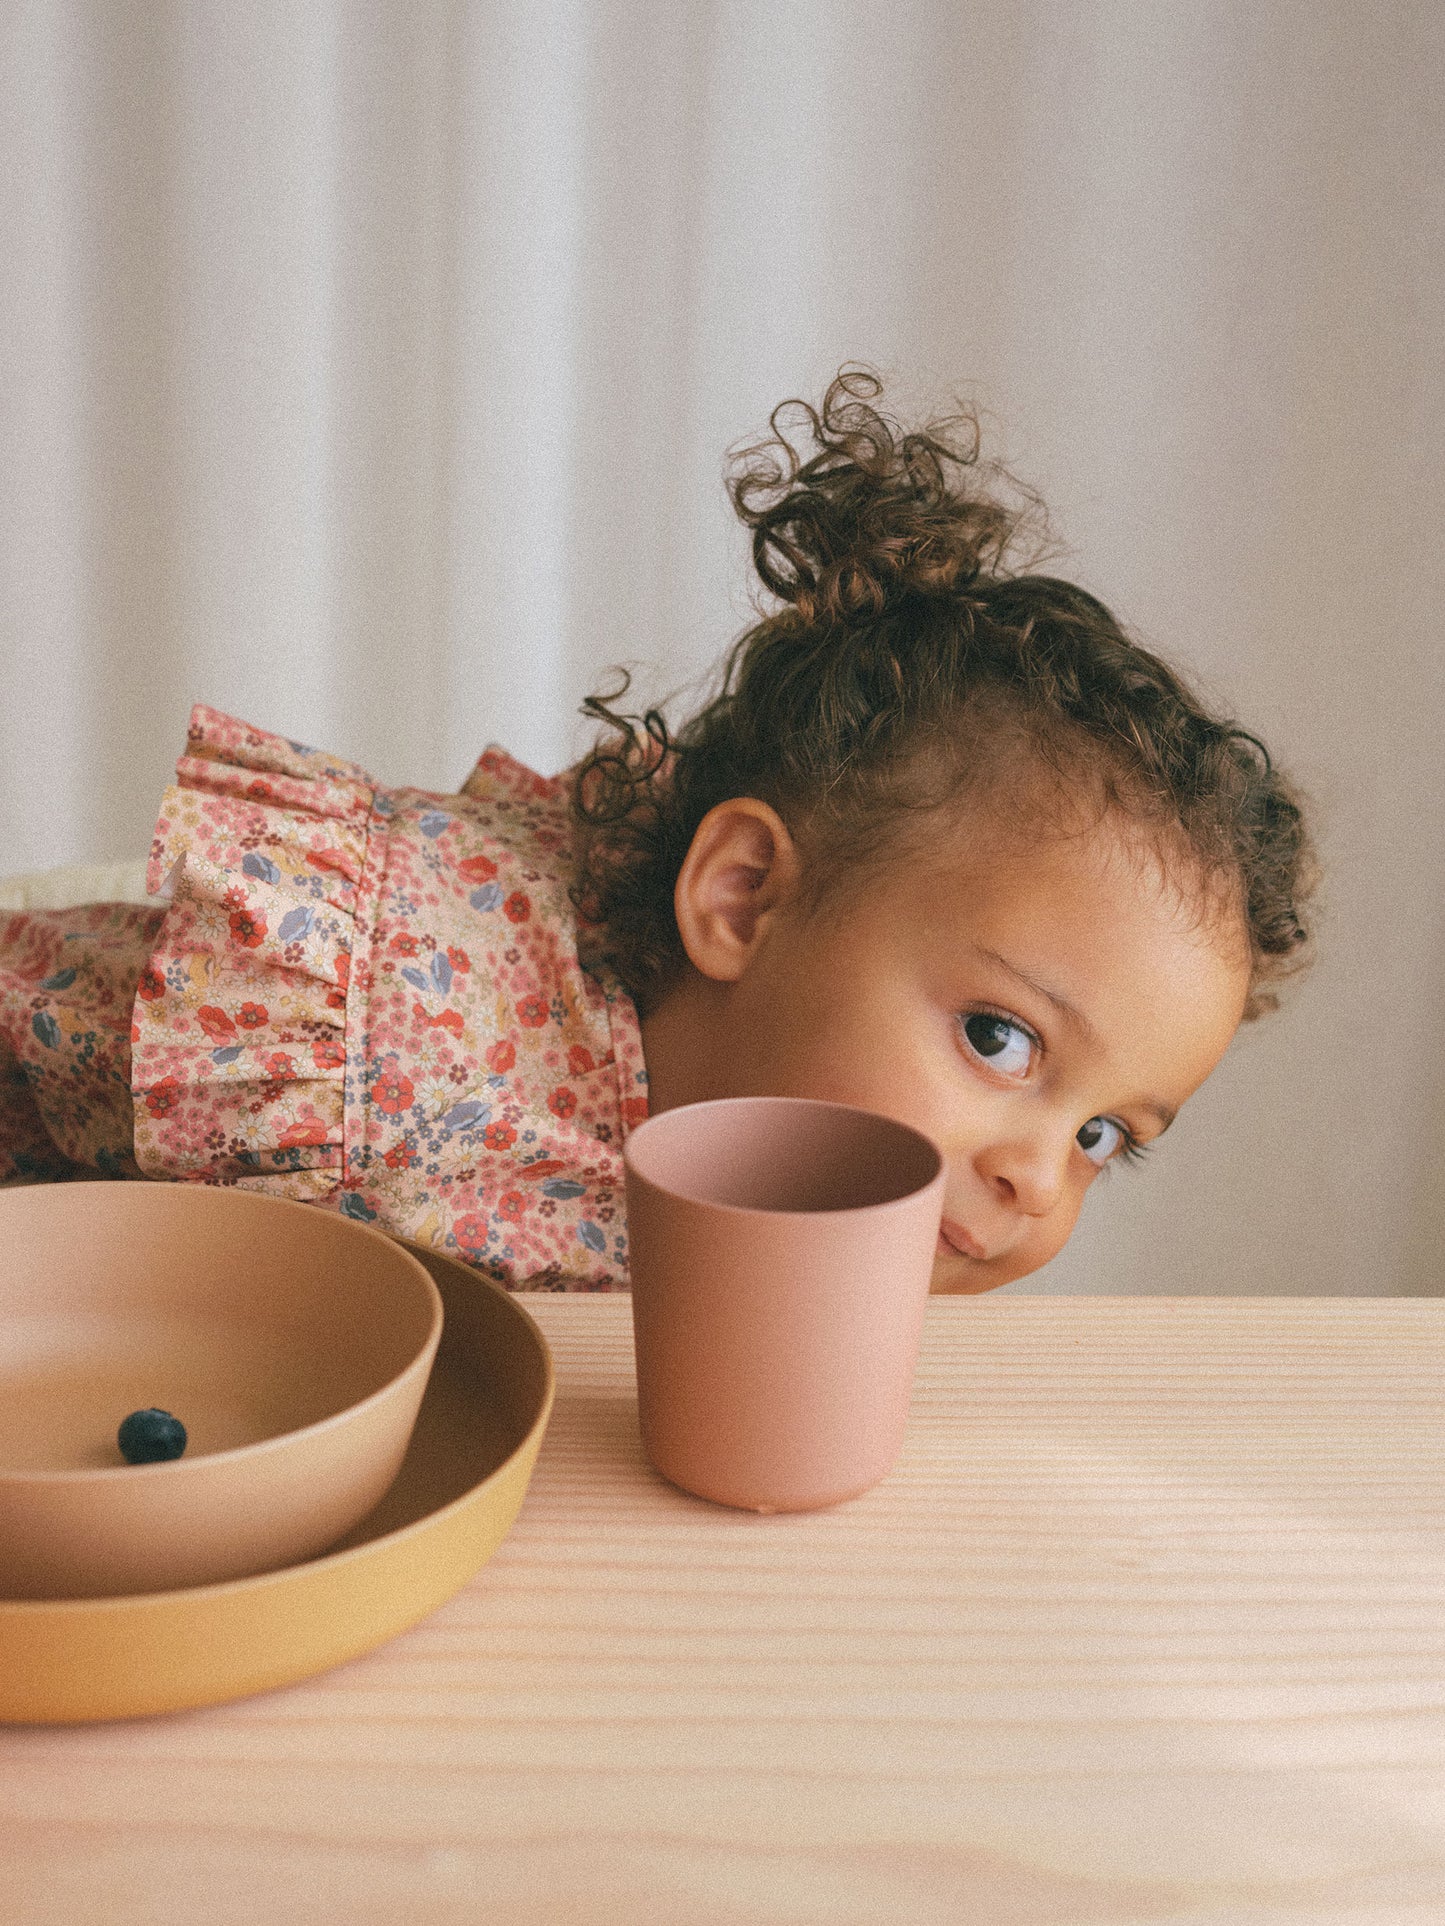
591, 1235
296, 924
46, 1029
261, 867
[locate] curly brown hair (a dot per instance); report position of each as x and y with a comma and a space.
907, 664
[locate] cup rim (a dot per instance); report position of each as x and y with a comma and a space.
905, 1199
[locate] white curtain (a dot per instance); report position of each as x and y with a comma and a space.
368, 368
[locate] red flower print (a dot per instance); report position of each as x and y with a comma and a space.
279, 1064
458, 959
163, 1098
562, 1102
447, 1020
336, 999
253, 1016
471, 1232
544, 1167
477, 869
512, 1204
634, 1111
328, 859
518, 906
499, 1136
248, 927
152, 984
400, 1156
502, 1056
328, 1055
532, 1011
216, 1024
308, 1129
392, 1092
580, 1060
259, 791
403, 944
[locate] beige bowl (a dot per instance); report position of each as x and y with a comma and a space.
293, 1344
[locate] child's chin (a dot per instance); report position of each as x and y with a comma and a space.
963, 1277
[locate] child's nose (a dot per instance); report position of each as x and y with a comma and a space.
1026, 1175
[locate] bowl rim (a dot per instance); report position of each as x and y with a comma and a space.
177, 1467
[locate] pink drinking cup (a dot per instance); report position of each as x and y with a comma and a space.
781, 1252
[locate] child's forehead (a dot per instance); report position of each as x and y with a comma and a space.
997, 827
1002, 864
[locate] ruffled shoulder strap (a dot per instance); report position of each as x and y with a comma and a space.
498, 775
269, 851
531, 814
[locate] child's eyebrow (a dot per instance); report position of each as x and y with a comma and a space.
1076, 1018
1073, 1016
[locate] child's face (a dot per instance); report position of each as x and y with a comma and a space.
1038, 1012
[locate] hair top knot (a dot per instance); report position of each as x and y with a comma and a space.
876, 514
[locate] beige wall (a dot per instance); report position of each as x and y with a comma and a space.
368, 371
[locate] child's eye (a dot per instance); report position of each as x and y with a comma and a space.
1101, 1138
1003, 1045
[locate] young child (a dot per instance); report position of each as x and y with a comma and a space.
945, 843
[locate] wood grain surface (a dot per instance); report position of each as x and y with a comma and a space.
1148, 1625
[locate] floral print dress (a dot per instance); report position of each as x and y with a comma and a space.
371, 999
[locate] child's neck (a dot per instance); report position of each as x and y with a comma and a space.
679, 1044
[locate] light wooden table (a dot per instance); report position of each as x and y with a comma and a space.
1148, 1625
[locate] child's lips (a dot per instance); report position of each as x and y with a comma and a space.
954, 1239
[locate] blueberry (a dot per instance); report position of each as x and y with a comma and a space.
148, 1437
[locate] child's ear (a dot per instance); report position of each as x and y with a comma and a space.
740, 869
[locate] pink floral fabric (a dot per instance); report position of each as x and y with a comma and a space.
67, 983
374, 1000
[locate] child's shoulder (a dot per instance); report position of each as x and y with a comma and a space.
237, 784
374, 997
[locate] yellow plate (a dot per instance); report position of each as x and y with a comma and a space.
462, 1484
